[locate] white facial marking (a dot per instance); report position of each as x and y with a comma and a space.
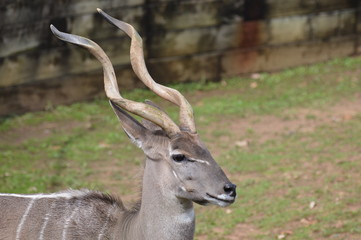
187, 216
23, 218
222, 200
170, 150
46, 220
225, 197
175, 175
67, 221
176, 152
102, 230
200, 161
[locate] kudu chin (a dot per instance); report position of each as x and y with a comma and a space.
178, 171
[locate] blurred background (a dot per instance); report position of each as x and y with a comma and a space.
185, 41
275, 86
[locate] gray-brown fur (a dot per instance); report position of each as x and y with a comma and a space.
82, 215
179, 170
166, 208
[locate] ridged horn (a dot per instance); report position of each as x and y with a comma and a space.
143, 110
186, 118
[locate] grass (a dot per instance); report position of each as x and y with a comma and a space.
289, 175
82, 145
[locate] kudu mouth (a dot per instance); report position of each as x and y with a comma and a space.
222, 199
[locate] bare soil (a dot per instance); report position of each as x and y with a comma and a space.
21, 134
266, 127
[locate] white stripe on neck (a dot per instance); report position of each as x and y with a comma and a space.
101, 234
46, 220
23, 218
67, 222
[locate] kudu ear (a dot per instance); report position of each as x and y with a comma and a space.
134, 130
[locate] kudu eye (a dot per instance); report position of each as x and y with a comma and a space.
178, 157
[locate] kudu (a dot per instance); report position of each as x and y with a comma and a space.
178, 171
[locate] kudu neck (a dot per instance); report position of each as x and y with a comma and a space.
162, 215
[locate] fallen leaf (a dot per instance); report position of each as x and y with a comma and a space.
281, 236
253, 85
308, 221
284, 234
256, 76
243, 143
312, 204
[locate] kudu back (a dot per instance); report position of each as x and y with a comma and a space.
178, 171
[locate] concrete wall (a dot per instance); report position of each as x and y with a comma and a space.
184, 41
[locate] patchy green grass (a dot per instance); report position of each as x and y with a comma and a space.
278, 176
314, 86
282, 176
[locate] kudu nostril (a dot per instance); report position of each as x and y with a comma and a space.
230, 189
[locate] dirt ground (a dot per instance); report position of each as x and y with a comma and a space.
272, 127
296, 120
265, 126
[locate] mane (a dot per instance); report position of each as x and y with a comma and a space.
128, 209
109, 199
104, 198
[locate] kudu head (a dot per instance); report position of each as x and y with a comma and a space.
185, 168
